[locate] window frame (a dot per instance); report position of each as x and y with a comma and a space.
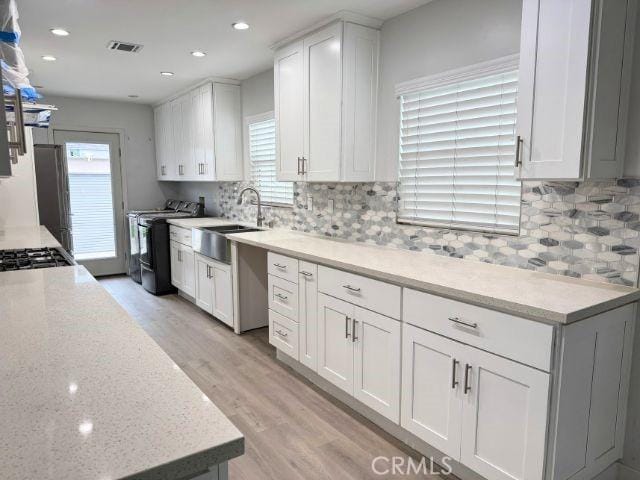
248, 120
470, 72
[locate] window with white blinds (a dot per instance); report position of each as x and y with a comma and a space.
457, 151
261, 134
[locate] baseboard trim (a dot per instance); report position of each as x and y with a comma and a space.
625, 472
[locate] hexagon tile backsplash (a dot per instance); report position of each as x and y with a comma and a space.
589, 230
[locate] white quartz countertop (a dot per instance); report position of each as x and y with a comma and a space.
204, 222
534, 295
87, 394
26, 237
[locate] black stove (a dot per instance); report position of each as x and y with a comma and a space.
32, 258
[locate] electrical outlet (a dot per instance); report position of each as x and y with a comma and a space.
310, 203
330, 205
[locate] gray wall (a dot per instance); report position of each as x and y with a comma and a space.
632, 161
439, 36
135, 122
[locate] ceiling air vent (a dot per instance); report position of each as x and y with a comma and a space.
124, 46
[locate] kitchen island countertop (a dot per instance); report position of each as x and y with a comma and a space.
88, 395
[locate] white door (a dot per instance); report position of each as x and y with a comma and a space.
158, 123
431, 389
97, 207
187, 259
222, 293
176, 266
204, 284
554, 54
323, 104
504, 421
206, 105
289, 111
376, 360
308, 314
199, 136
228, 132
335, 347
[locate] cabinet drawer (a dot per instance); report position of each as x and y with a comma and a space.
522, 340
283, 267
362, 291
180, 235
283, 334
283, 297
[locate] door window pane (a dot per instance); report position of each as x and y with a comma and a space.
91, 195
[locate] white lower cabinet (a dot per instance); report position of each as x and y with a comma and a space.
182, 267
359, 352
485, 411
308, 314
213, 288
504, 417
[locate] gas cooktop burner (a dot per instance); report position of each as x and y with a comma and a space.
31, 258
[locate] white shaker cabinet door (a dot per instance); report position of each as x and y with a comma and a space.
187, 259
504, 423
432, 374
376, 360
176, 266
554, 53
289, 111
204, 284
323, 104
335, 346
308, 314
228, 132
222, 293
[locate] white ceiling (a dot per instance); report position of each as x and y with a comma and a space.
169, 31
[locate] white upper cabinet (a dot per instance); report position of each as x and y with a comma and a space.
289, 111
572, 88
326, 104
199, 135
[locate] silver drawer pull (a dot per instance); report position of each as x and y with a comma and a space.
279, 265
280, 296
353, 289
281, 333
306, 274
462, 322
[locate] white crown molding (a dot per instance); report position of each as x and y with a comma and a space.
193, 86
341, 16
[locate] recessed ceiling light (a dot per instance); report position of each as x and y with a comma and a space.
133, 96
166, 74
198, 53
240, 25
49, 58
60, 32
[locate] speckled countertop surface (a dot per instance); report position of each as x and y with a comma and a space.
87, 394
537, 296
26, 237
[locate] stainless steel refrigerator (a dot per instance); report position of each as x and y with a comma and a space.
52, 180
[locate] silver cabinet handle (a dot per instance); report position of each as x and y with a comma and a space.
306, 274
281, 297
354, 338
208, 271
299, 170
462, 322
281, 333
278, 265
351, 288
454, 380
179, 255
347, 319
303, 169
467, 370
519, 143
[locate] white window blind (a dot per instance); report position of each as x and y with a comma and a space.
457, 152
262, 158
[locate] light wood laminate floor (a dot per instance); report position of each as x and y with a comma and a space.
292, 429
